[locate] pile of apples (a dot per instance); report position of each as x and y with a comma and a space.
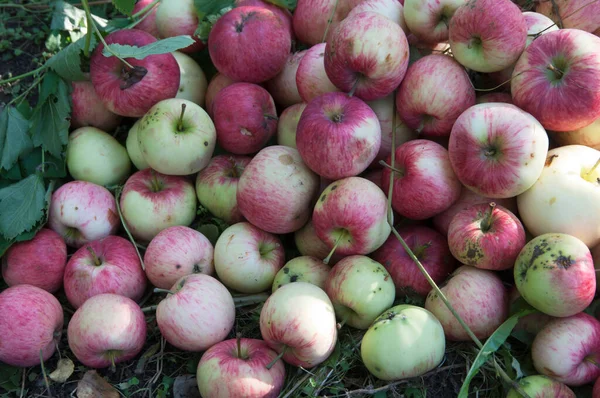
496, 193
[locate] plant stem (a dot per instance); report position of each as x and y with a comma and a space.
277, 358
24, 75
330, 20
395, 170
487, 218
117, 197
21, 97
94, 256
390, 212
150, 308
419, 250
147, 8
180, 122
337, 242
44, 373
353, 89
592, 169
241, 301
159, 290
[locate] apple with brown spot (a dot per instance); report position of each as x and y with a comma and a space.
302, 269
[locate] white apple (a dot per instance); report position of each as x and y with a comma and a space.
192, 82
588, 136
133, 147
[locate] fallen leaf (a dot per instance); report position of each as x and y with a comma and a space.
64, 370
94, 386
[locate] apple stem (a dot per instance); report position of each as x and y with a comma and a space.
337, 242
94, 256
487, 219
113, 366
421, 126
557, 72
419, 250
150, 308
592, 361
250, 299
384, 164
238, 338
593, 168
180, 122
277, 358
159, 290
342, 323
353, 89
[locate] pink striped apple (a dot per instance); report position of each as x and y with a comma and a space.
311, 78
572, 14
283, 13
309, 244
311, 18
429, 20
88, 109
148, 24
215, 85
283, 87
179, 17
391, 9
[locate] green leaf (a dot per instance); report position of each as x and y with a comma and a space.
67, 62
209, 11
53, 167
207, 22
210, 231
14, 137
67, 17
124, 6
493, 343
163, 46
289, 4
10, 378
50, 121
21, 206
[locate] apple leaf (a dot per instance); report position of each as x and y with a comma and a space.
14, 137
50, 120
67, 62
289, 4
22, 205
492, 344
163, 46
124, 6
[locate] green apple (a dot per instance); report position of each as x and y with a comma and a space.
95, 156
405, 341
177, 137
542, 386
288, 122
192, 83
302, 269
360, 289
133, 147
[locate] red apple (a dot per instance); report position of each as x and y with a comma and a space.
568, 350
557, 79
575, 14
288, 124
235, 49
311, 18
82, 211
106, 330
497, 150
132, 92
238, 368
311, 78
215, 85
430, 247
433, 94
31, 324
391, 9
283, 87
486, 236
351, 215
88, 109
424, 183
377, 68
276, 190
176, 252
179, 17
148, 24
198, 314
429, 20
108, 265
283, 13
39, 262
338, 136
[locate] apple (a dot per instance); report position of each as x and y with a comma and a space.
431, 249
133, 91
467, 199
81, 211
298, 320
405, 341
133, 147
245, 118
309, 244
39, 261
311, 78
565, 196
391, 9
537, 25
529, 324
479, 298
379, 66
177, 137
176, 252
487, 35
486, 236
548, 79
338, 136
283, 13
179, 17
497, 150
429, 20
588, 136
315, 20
288, 124
385, 110
494, 97
276, 190
576, 14
351, 216
217, 184
360, 289
248, 258
555, 273
152, 201
96, 156
216, 84
424, 182
31, 324
238, 368
302, 269
197, 314
192, 82
107, 265
148, 23
106, 330
568, 350
283, 87
88, 110
234, 44
434, 92
541, 386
